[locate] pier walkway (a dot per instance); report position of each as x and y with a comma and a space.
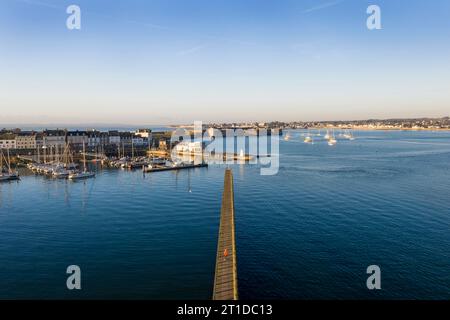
225, 280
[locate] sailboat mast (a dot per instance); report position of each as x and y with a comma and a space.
84, 156
9, 161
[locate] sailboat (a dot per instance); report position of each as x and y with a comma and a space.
327, 135
9, 175
332, 140
63, 171
348, 135
3, 176
82, 174
308, 138
319, 134
287, 137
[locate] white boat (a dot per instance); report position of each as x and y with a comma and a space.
287, 137
83, 174
61, 173
348, 135
9, 174
308, 137
332, 140
327, 136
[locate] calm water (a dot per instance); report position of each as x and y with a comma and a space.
308, 232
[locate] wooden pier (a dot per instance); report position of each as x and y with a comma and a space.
225, 280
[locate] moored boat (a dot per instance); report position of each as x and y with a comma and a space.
78, 175
81, 175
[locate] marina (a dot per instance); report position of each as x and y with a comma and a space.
75, 161
77, 155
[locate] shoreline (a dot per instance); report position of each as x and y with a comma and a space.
378, 129
344, 128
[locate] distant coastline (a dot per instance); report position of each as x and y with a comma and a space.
414, 124
383, 129
406, 124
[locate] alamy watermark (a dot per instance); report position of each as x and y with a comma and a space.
374, 20
74, 280
73, 21
374, 280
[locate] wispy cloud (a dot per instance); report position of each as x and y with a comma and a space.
142, 24
191, 50
148, 25
323, 6
39, 3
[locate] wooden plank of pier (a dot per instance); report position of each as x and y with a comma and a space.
225, 280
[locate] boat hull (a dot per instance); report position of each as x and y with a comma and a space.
80, 176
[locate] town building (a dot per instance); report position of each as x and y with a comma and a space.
189, 147
126, 138
114, 137
8, 141
77, 138
26, 140
54, 138
137, 141
144, 133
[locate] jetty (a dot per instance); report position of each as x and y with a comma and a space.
225, 280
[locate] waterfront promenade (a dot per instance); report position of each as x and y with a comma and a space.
225, 281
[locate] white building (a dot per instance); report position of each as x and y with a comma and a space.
144, 133
7, 142
77, 138
94, 140
26, 141
54, 138
189, 147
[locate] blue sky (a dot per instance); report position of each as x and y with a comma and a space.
176, 61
